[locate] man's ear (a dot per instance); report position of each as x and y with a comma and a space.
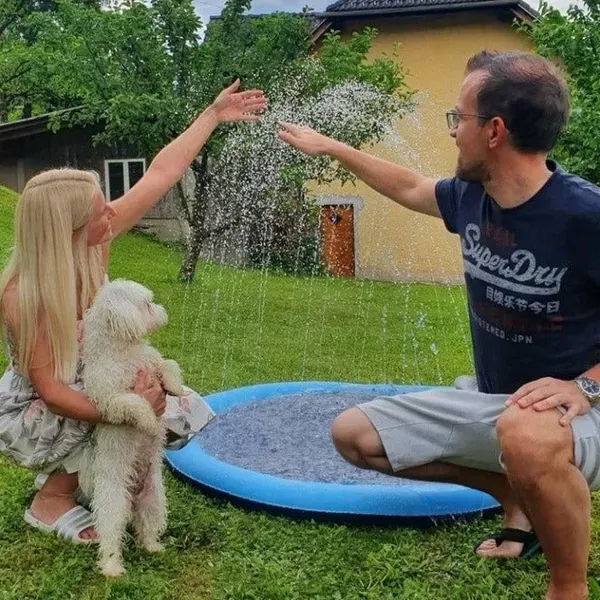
498, 133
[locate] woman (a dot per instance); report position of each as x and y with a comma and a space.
63, 230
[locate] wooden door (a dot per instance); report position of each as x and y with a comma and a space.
337, 239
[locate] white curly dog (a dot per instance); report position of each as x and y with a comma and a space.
124, 480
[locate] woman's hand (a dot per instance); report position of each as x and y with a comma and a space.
231, 105
151, 389
171, 163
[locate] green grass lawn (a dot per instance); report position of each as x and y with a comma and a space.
237, 327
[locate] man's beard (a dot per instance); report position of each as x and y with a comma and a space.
476, 172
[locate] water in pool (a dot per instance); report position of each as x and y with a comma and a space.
289, 436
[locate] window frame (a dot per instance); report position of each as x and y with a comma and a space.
124, 162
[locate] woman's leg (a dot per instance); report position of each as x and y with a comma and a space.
55, 498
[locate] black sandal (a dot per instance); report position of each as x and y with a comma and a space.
531, 544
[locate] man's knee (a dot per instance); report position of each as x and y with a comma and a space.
355, 438
510, 426
532, 442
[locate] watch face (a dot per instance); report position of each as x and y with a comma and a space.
589, 386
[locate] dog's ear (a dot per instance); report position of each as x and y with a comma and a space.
123, 315
126, 324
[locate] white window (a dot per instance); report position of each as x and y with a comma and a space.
121, 175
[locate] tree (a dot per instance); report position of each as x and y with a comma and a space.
573, 39
273, 53
256, 51
26, 65
143, 71
120, 66
256, 186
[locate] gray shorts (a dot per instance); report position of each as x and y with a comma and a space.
458, 426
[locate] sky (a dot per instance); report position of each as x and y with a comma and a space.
208, 8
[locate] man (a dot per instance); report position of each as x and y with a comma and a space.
527, 431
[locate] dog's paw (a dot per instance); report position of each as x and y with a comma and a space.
148, 423
112, 567
174, 390
171, 378
152, 546
172, 385
150, 428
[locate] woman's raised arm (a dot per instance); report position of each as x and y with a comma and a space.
171, 163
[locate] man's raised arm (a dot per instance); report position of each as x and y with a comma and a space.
408, 188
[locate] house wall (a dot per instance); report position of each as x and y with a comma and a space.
47, 150
8, 173
21, 159
393, 243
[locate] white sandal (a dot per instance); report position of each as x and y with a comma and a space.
68, 526
40, 480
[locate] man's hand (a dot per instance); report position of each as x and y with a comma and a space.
305, 139
548, 393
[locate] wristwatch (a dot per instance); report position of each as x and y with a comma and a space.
590, 388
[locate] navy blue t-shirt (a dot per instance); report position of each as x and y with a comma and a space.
532, 276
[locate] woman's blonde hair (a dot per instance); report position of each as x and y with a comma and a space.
56, 273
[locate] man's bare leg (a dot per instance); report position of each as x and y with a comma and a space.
358, 442
538, 454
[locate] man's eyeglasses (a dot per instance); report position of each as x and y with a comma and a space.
453, 117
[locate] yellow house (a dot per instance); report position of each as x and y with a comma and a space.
364, 233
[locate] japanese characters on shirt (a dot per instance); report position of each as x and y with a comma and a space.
522, 296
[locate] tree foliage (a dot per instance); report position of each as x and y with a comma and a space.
573, 39
143, 71
29, 78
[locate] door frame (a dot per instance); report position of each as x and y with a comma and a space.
357, 203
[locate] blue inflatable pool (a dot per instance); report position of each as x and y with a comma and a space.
396, 500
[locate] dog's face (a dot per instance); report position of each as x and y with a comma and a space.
127, 310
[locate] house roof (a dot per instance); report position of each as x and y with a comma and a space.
321, 22
386, 7
349, 9
26, 127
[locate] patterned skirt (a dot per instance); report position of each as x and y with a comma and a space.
34, 437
